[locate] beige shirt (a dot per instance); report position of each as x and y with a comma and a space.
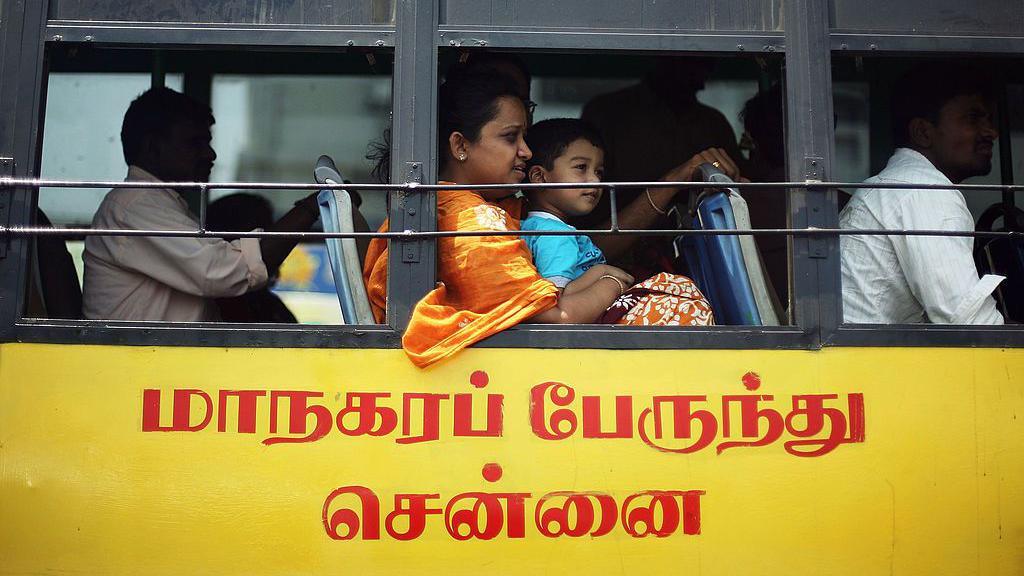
160, 278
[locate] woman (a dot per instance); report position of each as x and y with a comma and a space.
489, 283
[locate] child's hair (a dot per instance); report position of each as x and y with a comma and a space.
548, 139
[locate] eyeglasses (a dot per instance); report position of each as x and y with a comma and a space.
530, 106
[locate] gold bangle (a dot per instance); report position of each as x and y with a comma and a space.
653, 205
622, 285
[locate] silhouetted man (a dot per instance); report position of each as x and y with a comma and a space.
166, 138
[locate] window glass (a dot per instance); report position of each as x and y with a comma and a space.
909, 280
268, 129
643, 14
320, 12
273, 129
938, 17
82, 138
654, 115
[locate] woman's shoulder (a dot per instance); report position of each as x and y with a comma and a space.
467, 210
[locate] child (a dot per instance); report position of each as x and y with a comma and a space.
568, 150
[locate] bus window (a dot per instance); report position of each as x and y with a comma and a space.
654, 114
270, 127
902, 279
82, 137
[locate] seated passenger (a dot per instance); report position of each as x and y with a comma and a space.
240, 213
569, 150
53, 291
488, 283
166, 138
649, 128
942, 125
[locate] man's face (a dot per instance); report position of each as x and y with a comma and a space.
184, 153
961, 142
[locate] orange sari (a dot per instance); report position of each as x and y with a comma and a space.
487, 284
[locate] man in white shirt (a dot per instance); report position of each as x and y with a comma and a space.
166, 138
945, 134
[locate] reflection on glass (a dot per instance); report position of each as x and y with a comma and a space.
316, 12
752, 15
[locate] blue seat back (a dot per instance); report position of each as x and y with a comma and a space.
329, 217
717, 266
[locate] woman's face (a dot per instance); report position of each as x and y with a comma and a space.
499, 154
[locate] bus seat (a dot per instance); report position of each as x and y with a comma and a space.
728, 268
1003, 256
54, 280
336, 214
759, 282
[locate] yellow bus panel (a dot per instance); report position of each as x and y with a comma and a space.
169, 460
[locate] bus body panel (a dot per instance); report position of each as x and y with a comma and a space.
165, 460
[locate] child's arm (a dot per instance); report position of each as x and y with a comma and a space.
584, 306
593, 275
585, 303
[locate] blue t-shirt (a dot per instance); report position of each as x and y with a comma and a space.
560, 259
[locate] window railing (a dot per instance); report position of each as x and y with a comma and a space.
205, 187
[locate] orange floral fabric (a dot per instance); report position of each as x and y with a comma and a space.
487, 283
662, 300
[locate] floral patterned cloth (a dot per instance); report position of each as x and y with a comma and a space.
662, 300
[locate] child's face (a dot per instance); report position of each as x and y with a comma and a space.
581, 162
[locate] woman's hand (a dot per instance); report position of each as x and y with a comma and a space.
689, 171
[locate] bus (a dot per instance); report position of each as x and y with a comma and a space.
814, 446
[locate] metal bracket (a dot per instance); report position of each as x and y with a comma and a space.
6, 171
817, 246
410, 204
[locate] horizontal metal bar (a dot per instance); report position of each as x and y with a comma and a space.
591, 39
171, 34
413, 186
22, 231
872, 42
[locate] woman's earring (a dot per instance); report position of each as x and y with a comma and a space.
462, 157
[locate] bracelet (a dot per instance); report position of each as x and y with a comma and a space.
622, 285
653, 205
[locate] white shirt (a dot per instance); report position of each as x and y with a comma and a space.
160, 278
912, 279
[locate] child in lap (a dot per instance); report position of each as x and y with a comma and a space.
568, 150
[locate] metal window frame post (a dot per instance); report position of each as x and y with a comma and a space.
411, 268
809, 153
21, 96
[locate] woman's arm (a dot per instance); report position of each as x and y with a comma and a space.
647, 208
